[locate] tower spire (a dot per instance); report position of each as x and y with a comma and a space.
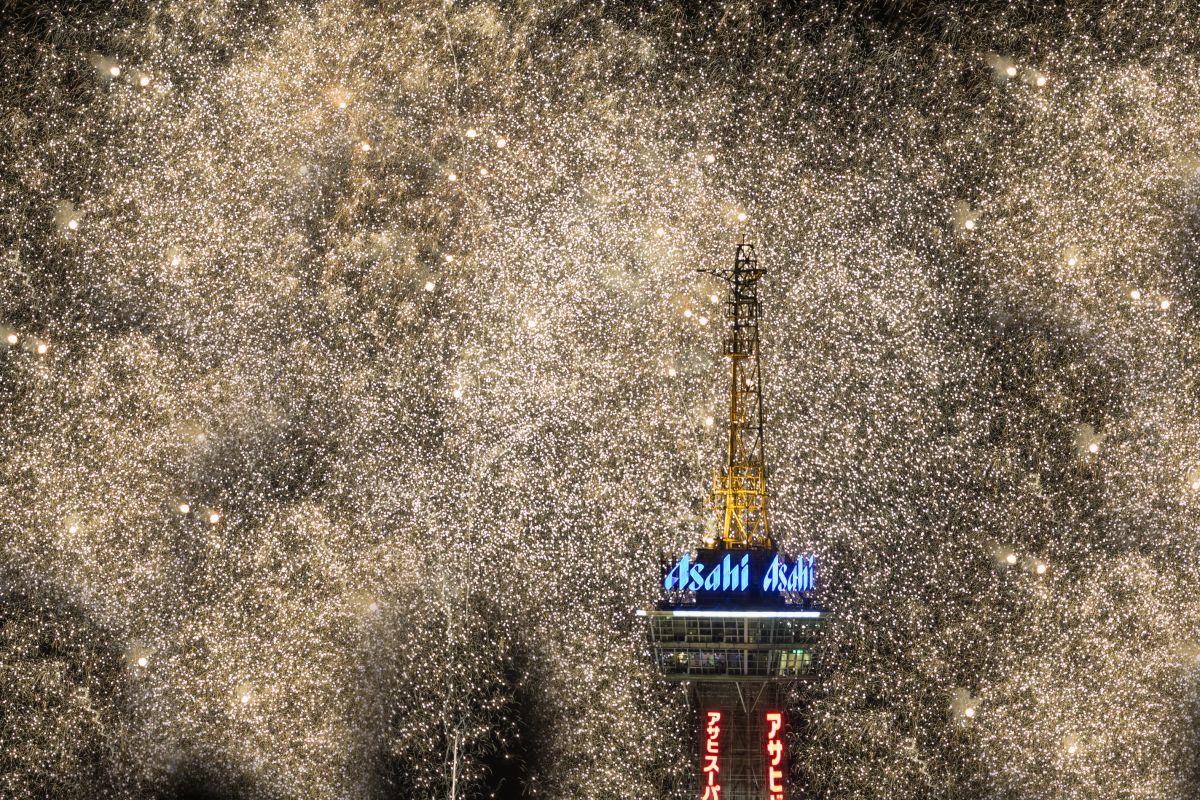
739, 490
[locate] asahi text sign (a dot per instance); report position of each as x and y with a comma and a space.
741, 573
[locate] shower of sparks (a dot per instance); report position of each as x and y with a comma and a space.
355, 377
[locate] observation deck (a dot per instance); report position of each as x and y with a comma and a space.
699, 644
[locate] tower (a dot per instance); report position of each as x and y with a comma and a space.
737, 623
739, 490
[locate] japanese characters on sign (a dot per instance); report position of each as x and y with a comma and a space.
775, 764
711, 767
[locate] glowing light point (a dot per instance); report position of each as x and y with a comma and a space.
687, 312
114, 70
144, 80
1164, 304
1011, 558
671, 372
969, 713
710, 159
429, 286
1136, 294
659, 232
214, 518
366, 147
12, 338
458, 393
73, 529
452, 177
472, 133
1011, 72
501, 141
741, 217
714, 299
1041, 80
1072, 749
176, 261
143, 661
43, 348
708, 422
1072, 261
448, 258
704, 320
1196, 485
73, 224
1040, 569
969, 224
184, 508
1093, 447
245, 698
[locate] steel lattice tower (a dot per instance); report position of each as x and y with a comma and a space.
737, 625
739, 489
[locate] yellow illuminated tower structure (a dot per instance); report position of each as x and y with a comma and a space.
738, 623
739, 491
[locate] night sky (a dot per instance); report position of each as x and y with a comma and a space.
356, 379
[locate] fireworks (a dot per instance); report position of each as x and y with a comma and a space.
355, 377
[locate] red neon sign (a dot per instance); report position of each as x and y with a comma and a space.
711, 770
774, 755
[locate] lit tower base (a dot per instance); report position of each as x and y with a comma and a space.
738, 622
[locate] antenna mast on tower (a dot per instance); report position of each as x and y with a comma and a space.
739, 491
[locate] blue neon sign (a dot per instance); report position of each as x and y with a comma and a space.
737, 572
720, 577
798, 577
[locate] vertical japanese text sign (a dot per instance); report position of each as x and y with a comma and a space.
775, 765
711, 769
